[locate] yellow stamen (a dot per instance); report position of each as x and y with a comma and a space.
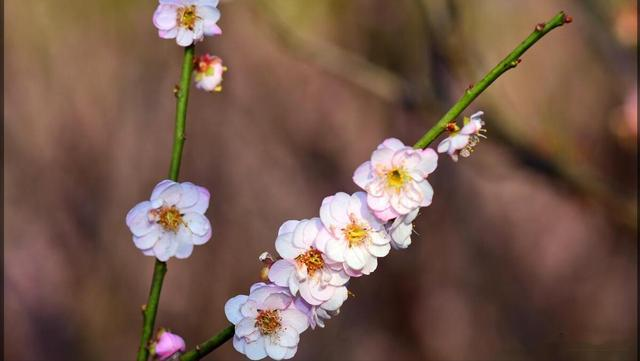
355, 234
169, 218
268, 321
396, 178
187, 17
312, 259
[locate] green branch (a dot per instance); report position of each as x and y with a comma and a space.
511, 61
150, 310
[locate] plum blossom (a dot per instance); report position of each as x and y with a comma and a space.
187, 21
401, 230
303, 268
395, 179
462, 141
358, 238
166, 344
318, 314
172, 221
208, 73
267, 322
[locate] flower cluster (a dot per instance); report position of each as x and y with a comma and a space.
318, 256
463, 141
189, 21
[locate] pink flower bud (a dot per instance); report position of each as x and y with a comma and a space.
167, 344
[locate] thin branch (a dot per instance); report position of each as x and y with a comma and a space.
150, 310
507, 63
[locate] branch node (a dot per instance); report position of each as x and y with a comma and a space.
567, 19
176, 90
540, 26
143, 308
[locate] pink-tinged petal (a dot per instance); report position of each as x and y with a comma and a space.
355, 258
172, 2
238, 344
212, 3
197, 223
377, 187
321, 293
288, 227
295, 319
338, 208
281, 271
148, 252
387, 214
189, 195
382, 158
276, 301
339, 296
352, 272
378, 203
165, 17
209, 13
444, 145
202, 203
304, 235
305, 293
379, 251
429, 161
285, 247
249, 309
148, 240
165, 247
232, 308
245, 327
211, 28
393, 143
335, 249
320, 243
161, 187
402, 158
274, 350
171, 195
200, 240
397, 205
168, 34
138, 219
427, 193
370, 266
255, 350
184, 250
363, 175
288, 337
410, 202
167, 345
184, 37
338, 278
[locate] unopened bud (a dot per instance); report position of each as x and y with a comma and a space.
166, 345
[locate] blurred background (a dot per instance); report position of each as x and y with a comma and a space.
528, 252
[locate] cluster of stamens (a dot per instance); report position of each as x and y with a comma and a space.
312, 259
169, 218
474, 139
187, 17
268, 321
396, 178
355, 234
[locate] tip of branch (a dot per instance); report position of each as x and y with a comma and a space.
567, 19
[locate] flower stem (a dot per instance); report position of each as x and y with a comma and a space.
150, 310
209, 345
509, 62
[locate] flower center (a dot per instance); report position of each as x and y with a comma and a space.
169, 218
396, 178
187, 17
355, 234
312, 259
268, 321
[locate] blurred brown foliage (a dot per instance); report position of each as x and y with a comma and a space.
522, 255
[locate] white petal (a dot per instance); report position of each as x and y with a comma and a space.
184, 250
355, 258
245, 327
276, 301
255, 350
393, 144
335, 249
381, 158
295, 319
238, 344
138, 219
148, 240
189, 195
288, 337
378, 203
274, 350
444, 145
285, 247
379, 251
209, 13
168, 34
280, 272
165, 17
372, 264
165, 247
197, 223
363, 174
232, 308
184, 37
427, 193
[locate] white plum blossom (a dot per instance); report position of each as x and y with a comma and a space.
318, 314
267, 322
303, 268
395, 179
172, 221
401, 230
208, 72
187, 21
462, 141
358, 238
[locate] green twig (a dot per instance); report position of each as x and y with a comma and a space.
150, 310
507, 63
209, 345
511, 61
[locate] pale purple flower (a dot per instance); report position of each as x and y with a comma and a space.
395, 179
172, 221
167, 344
401, 230
267, 322
304, 268
318, 314
187, 21
462, 141
208, 72
358, 238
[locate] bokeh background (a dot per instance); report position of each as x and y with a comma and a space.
529, 251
